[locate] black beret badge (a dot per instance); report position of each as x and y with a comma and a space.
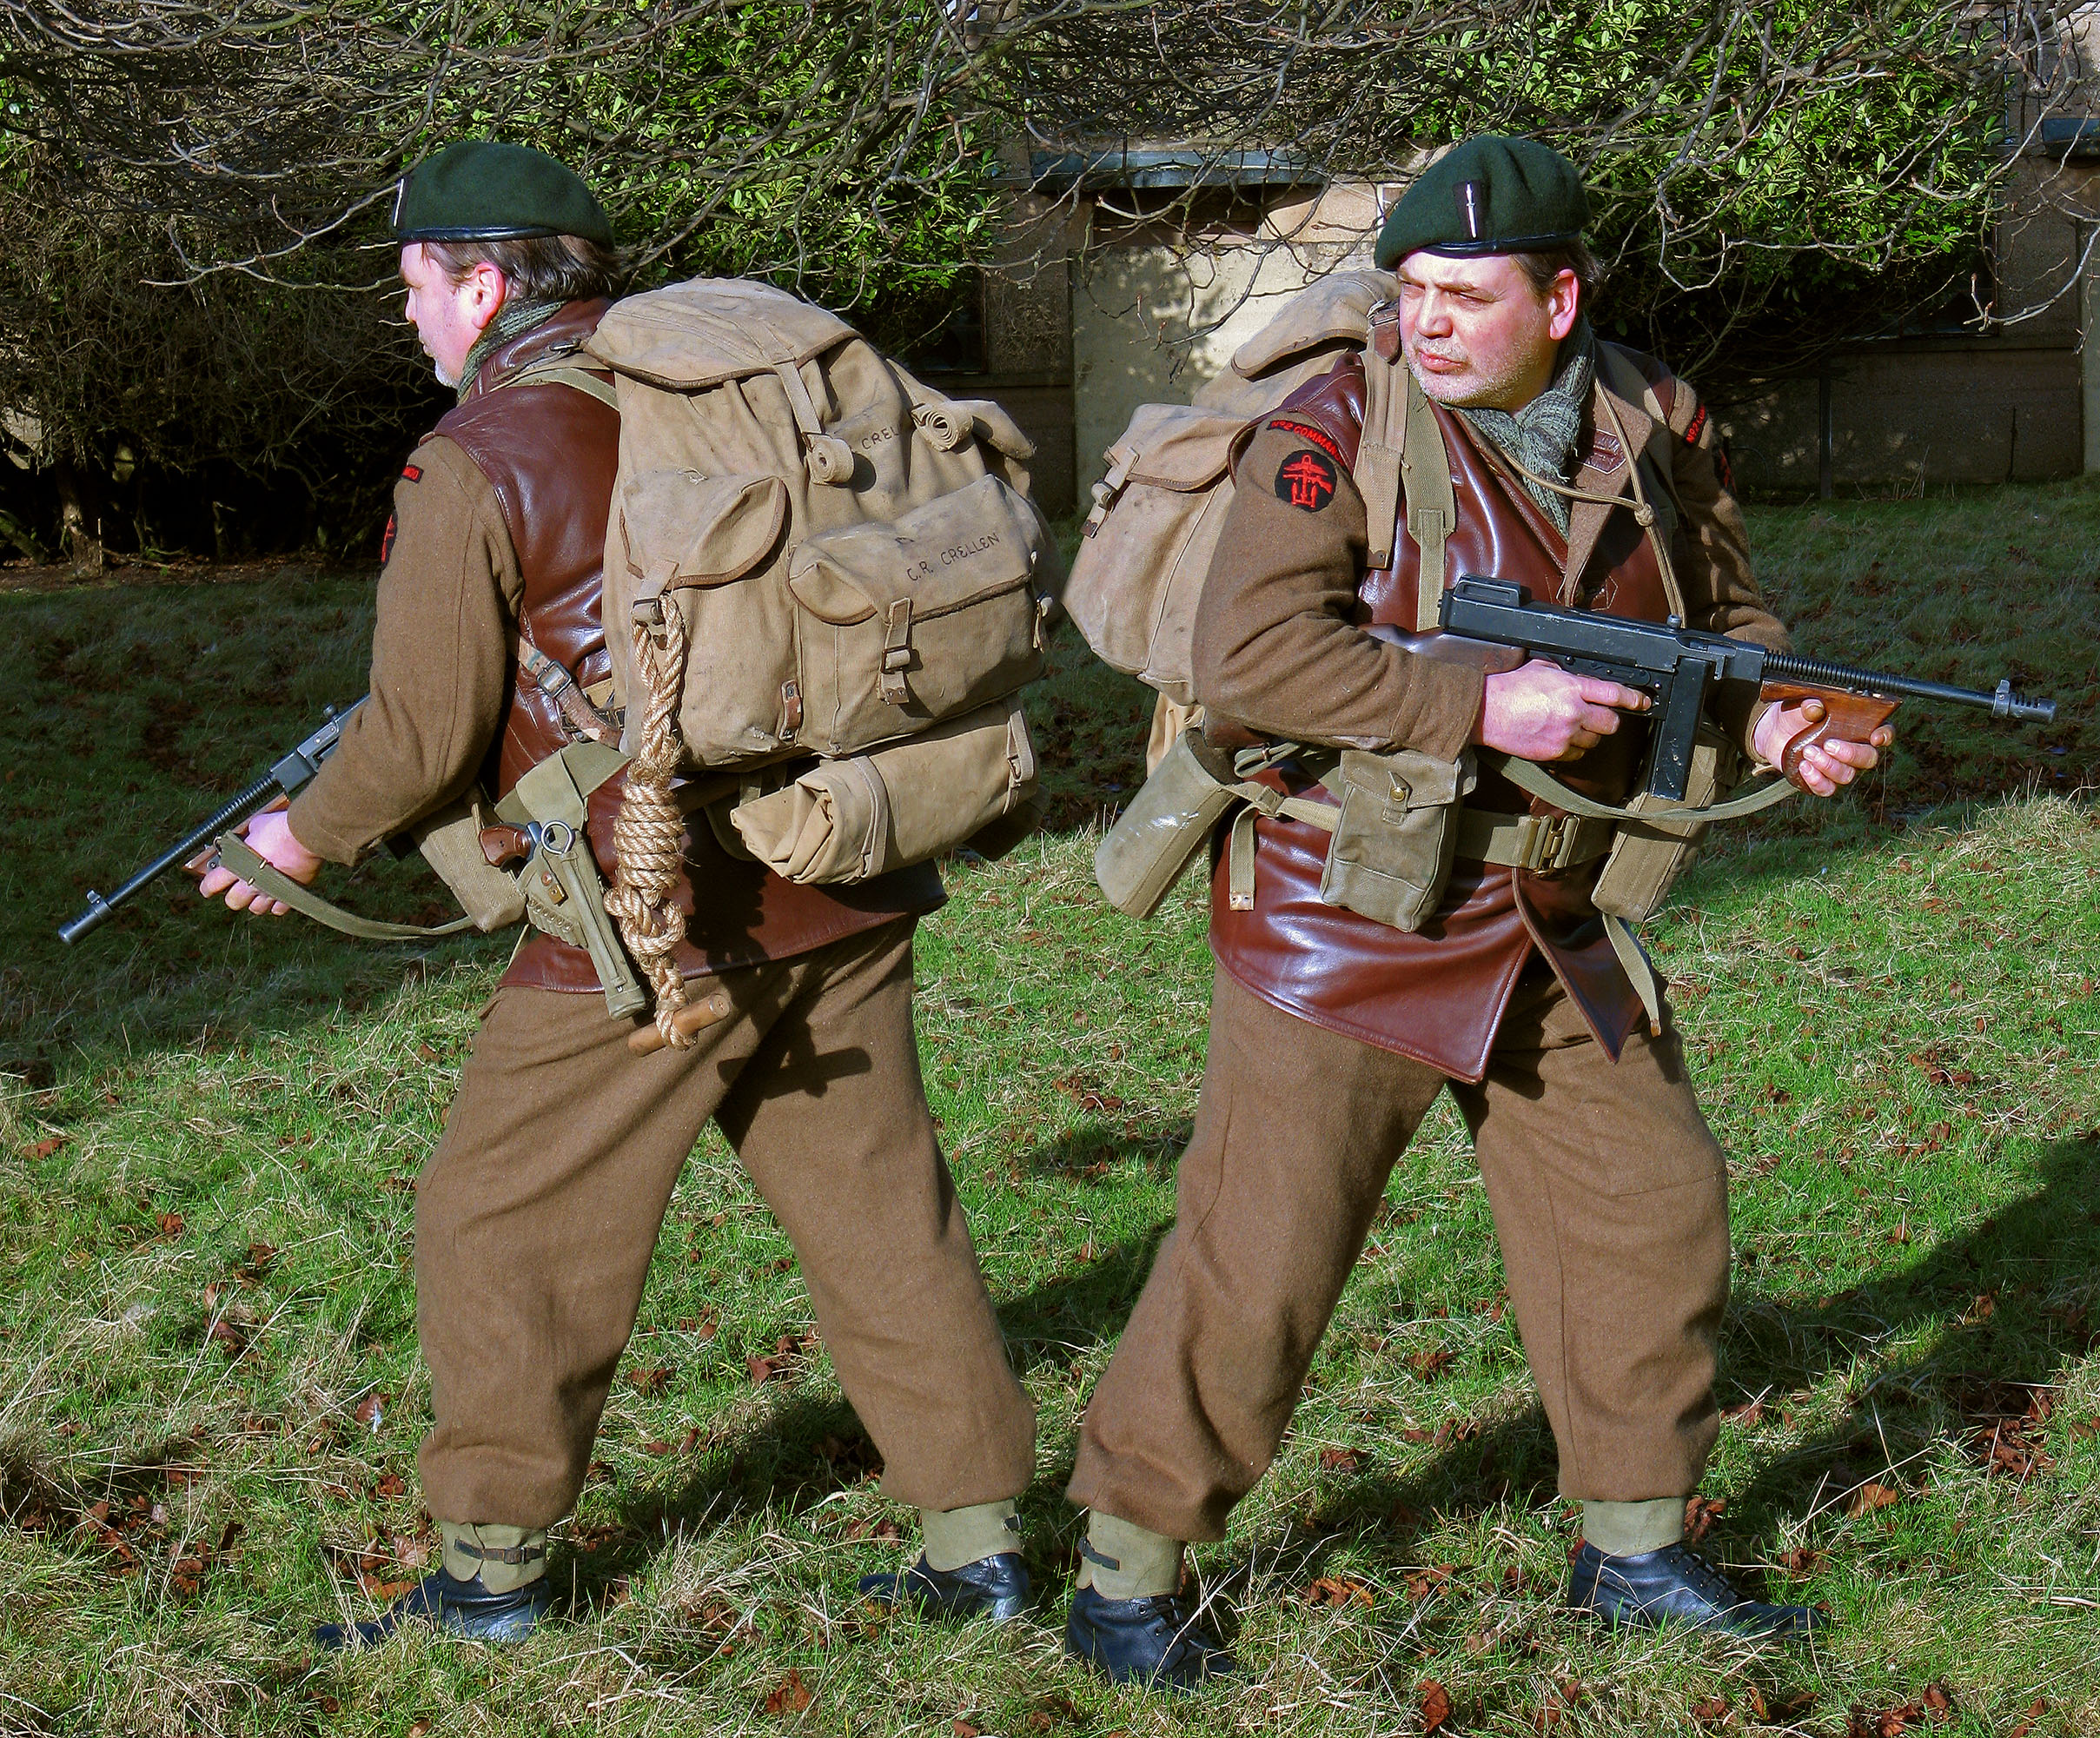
1306, 481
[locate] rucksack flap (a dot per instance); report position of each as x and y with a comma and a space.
741, 405
1147, 546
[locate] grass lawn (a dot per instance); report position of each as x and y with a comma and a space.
210, 1127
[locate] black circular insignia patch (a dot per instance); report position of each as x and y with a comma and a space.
1307, 480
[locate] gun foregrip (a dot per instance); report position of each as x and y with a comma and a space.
1846, 718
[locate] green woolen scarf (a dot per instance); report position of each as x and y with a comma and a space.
512, 318
1541, 436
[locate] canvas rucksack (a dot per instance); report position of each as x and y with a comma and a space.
810, 554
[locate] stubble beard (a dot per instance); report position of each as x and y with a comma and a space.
1471, 391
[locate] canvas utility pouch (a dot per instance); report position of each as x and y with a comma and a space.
1164, 828
1657, 842
904, 624
450, 839
849, 819
1396, 833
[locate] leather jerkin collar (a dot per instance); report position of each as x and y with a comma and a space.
564, 331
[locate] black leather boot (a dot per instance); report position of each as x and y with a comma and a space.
1676, 1585
465, 1608
1157, 1640
994, 1587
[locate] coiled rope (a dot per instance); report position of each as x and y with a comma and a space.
648, 834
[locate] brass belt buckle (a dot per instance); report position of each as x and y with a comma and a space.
1546, 840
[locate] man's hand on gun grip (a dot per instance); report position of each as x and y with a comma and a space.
1825, 767
270, 836
1539, 712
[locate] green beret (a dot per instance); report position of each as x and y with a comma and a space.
1487, 196
477, 190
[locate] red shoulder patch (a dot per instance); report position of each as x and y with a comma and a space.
413, 472
1306, 481
1305, 431
1691, 430
385, 541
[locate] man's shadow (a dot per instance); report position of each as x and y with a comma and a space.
2015, 1292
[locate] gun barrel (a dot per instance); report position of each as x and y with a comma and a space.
2000, 702
100, 908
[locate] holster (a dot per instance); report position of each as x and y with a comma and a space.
450, 841
564, 894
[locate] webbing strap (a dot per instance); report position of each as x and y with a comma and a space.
1379, 461
1239, 860
1534, 779
1431, 505
566, 374
554, 680
1639, 969
236, 854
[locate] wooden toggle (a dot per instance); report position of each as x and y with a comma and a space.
694, 1017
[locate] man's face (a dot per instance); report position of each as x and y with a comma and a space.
1477, 333
449, 317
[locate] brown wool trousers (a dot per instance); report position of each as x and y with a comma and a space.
537, 1215
1610, 1200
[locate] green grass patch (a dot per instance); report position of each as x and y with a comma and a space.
210, 1398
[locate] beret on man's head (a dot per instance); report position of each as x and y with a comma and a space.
1487, 196
478, 190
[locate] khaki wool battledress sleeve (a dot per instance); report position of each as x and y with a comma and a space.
1276, 648
448, 600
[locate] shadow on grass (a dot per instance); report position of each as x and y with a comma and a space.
2035, 1260
2015, 1293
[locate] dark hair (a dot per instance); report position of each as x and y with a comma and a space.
1543, 268
538, 268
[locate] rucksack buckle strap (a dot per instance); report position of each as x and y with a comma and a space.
896, 652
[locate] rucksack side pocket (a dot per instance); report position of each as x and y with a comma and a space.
1396, 834
708, 545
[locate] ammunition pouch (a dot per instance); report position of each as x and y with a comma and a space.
564, 894
1396, 833
450, 840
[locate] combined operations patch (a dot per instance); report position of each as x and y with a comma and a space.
1306, 481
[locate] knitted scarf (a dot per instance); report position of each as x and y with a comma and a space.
512, 318
1541, 436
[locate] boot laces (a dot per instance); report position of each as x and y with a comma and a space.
1708, 1582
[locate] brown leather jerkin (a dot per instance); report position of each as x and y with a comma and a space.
1438, 993
550, 452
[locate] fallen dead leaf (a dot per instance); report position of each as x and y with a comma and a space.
1339, 1590
1714, 1711
170, 1224
44, 1149
1420, 1586
1339, 1459
2034, 1713
391, 1486
651, 1379
1431, 1363
1436, 1706
790, 1695
1700, 1514
1870, 1497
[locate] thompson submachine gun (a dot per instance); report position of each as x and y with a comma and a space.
1495, 624
285, 778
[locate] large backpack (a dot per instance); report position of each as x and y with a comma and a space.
810, 554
